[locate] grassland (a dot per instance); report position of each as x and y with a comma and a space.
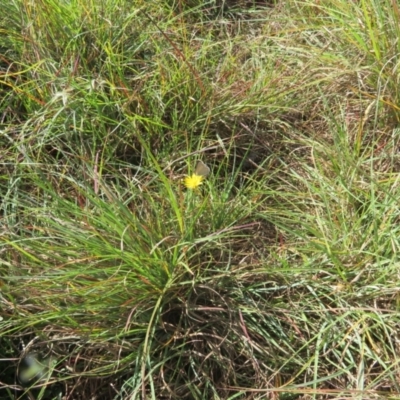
277, 278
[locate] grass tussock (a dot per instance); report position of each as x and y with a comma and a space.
275, 276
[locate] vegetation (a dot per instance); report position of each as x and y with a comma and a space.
274, 277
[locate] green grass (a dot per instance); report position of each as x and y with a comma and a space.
277, 278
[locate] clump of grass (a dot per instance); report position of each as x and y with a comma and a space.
276, 277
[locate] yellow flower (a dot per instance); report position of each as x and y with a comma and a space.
192, 182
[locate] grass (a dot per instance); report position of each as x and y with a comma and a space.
277, 278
